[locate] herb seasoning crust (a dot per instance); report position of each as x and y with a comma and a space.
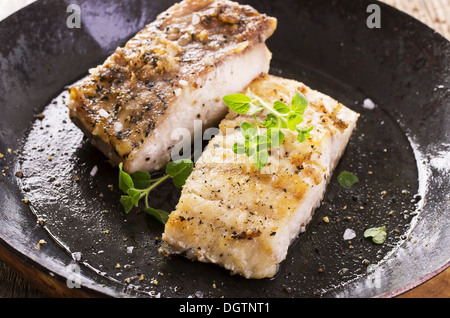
170, 74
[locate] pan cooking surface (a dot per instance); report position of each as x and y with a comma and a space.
74, 191
399, 151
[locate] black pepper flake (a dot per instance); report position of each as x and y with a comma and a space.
116, 108
123, 134
150, 84
150, 127
161, 99
147, 107
249, 235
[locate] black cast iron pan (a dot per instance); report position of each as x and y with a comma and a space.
399, 151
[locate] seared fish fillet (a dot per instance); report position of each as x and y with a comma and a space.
171, 73
243, 219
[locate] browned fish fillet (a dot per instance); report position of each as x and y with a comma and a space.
244, 219
171, 73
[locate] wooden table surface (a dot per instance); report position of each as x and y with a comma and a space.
434, 13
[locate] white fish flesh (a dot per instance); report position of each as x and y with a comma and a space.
245, 219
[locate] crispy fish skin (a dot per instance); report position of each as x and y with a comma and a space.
243, 219
171, 73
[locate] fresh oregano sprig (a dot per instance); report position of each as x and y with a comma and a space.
139, 184
378, 234
257, 145
279, 116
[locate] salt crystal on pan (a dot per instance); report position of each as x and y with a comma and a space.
94, 171
76, 256
349, 234
368, 104
130, 249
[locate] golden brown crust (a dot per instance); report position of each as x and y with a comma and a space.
126, 98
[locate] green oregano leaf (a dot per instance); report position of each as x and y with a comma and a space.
158, 214
299, 103
141, 180
139, 185
378, 234
276, 137
125, 180
281, 107
279, 116
135, 195
262, 142
254, 108
272, 121
248, 130
250, 148
304, 134
127, 203
347, 179
179, 171
260, 159
293, 120
239, 148
238, 102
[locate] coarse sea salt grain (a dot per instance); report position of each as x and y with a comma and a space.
349, 234
94, 171
76, 256
368, 104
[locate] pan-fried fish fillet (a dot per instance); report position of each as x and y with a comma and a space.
243, 219
171, 73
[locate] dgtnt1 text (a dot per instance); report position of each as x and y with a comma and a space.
246, 307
